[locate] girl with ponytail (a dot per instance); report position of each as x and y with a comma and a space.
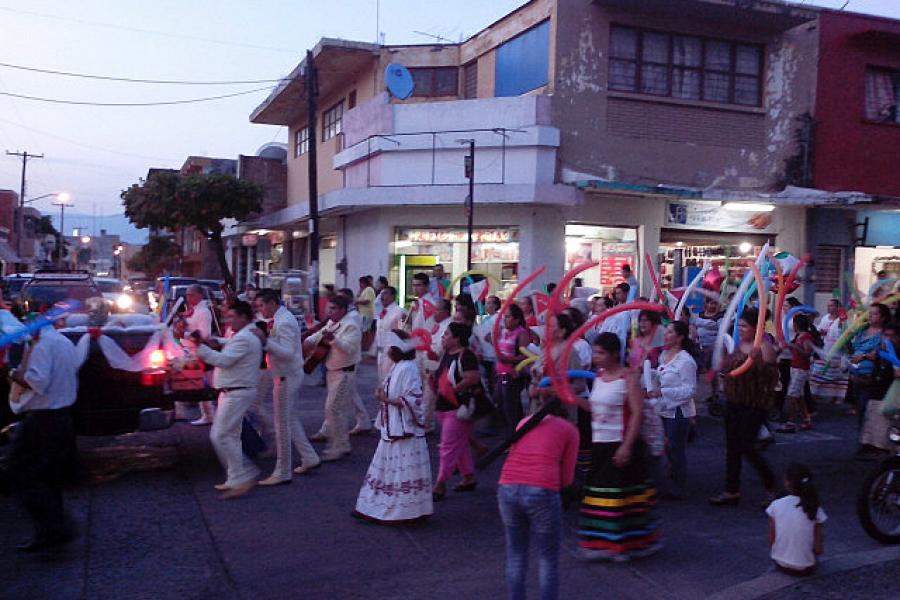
795, 523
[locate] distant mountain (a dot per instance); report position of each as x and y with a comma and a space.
113, 224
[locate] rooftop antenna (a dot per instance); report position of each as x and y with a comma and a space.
438, 38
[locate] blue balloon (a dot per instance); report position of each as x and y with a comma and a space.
786, 320
572, 374
38, 322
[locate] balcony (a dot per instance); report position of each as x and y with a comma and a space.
425, 144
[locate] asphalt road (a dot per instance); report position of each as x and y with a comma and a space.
153, 527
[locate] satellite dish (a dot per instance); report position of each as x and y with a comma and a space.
398, 80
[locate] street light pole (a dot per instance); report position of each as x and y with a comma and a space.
312, 174
470, 201
61, 240
25, 156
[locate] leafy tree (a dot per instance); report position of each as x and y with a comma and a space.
158, 255
168, 200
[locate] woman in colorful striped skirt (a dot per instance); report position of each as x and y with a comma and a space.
617, 522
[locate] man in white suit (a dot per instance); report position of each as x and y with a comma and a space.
236, 376
284, 357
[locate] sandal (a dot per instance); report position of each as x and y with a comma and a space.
725, 499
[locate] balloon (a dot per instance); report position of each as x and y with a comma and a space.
760, 323
424, 339
571, 374
560, 381
449, 291
556, 304
495, 332
532, 353
59, 309
729, 314
786, 324
713, 279
697, 278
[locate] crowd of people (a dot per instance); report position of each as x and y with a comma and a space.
618, 450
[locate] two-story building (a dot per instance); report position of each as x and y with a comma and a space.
854, 146
605, 130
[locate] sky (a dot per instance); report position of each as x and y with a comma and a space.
94, 152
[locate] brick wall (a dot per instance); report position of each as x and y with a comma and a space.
689, 124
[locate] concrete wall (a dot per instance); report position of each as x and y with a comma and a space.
647, 139
271, 174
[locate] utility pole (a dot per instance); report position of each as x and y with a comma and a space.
470, 201
24, 156
61, 242
311, 93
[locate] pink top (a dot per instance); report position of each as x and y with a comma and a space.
507, 346
544, 457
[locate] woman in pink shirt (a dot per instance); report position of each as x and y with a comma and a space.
540, 464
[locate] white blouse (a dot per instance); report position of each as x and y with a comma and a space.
678, 385
399, 422
608, 410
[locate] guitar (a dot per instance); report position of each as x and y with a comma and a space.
320, 352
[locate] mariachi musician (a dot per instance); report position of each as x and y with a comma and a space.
343, 336
197, 317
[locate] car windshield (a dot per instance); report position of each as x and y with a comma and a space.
108, 286
49, 293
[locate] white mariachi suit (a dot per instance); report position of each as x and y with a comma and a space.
284, 357
235, 376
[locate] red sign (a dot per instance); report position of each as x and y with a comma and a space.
611, 268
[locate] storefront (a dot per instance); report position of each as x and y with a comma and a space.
613, 247
417, 250
725, 234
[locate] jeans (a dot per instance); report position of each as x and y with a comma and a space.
742, 425
531, 512
677, 430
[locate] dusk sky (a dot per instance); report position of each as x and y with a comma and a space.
93, 152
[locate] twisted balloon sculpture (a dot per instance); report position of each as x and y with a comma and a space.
495, 331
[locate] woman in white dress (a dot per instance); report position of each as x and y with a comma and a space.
397, 487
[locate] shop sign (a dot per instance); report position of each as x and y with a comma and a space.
712, 216
458, 236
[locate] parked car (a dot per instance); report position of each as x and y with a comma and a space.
115, 294
214, 286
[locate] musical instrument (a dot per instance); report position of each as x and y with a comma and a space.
320, 352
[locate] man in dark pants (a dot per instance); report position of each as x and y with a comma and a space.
44, 448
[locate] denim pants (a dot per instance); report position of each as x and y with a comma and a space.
531, 512
677, 430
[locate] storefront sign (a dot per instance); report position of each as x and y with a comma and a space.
457, 236
711, 216
615, 256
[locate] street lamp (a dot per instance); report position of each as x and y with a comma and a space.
61, 196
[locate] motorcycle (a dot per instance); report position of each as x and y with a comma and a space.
878, 502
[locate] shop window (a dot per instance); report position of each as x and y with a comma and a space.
882, 95
301, 141
432, 82
829, 266
683, 66
470, 80
332, 121
523, 63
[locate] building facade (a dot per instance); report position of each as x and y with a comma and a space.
605, 130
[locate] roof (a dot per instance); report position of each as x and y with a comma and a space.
334, 60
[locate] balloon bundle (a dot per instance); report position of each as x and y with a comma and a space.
59, 310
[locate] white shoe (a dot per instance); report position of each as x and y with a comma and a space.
202, 421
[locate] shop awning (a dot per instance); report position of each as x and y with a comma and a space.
7, 254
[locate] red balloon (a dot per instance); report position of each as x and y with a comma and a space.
713, 279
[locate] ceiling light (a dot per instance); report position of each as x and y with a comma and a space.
749, 206
745, 247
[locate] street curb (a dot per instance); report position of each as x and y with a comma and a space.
774, 580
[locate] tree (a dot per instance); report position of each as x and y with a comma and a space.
168, 200
158, 255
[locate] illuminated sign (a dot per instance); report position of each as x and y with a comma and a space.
458, 236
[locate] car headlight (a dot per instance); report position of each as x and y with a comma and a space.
124, 302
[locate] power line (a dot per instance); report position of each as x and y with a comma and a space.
146, 31
120, 104
128, 80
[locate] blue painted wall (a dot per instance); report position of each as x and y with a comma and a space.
523, 63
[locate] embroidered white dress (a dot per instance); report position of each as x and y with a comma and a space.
397, 486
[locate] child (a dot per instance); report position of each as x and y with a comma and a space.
801, 349
795, 523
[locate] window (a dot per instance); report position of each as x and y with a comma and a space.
434, 81
523, 63
301, 141
332, 120
351, 100
470, 80
882, 94
684, 66
829, 268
